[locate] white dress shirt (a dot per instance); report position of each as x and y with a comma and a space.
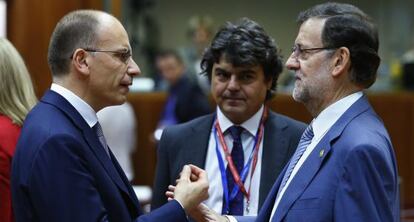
215, 200
321, 124
85, 110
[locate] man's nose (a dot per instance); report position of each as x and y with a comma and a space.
133, 68
292, 63
234, 83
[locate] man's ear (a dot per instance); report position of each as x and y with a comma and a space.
80, 62
269, 83
342, 61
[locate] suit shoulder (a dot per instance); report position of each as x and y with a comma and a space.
197, 123
366, 126
365, 129
367, 134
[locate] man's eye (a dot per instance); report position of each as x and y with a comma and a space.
221, 74
247, 77
124, 56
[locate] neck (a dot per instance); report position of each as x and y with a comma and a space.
240, 119
78, 89
315, 106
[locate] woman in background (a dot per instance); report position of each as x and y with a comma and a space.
16, 99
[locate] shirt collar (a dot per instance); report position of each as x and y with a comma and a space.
327, 118
251, 125
85, 110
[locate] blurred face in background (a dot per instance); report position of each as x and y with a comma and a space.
170, 68
201, 36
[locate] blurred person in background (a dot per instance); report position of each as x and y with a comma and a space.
17, 97
186, 100
200, 31
407, 66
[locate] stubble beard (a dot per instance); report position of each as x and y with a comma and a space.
301, 93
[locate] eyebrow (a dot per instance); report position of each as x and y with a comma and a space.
221, 69
247, 71
244, 71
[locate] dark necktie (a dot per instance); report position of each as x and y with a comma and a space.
98, 131
237, 154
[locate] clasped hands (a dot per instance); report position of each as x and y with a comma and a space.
191, 189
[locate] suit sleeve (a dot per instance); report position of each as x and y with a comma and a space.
162, 175
172, 210
65, 190
61, 185
367, 189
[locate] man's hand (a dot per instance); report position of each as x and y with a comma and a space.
204, 214
201, 213
191, 188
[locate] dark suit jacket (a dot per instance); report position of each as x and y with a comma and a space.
188, 143
191, 101
61, 172
351, 175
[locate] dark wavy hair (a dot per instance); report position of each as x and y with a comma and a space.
348, 26
245, 44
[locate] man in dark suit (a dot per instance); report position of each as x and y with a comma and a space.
243, 65
344, 168
63, 169
186, 100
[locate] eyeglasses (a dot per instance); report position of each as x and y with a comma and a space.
298, 52
123, 55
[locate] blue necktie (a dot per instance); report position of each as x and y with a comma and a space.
304, 142
237, 154
98, 130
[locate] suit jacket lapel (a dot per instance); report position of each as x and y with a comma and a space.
125, 180
303, 177
197, 142
265, 212
274, 154
90, 137
315, 160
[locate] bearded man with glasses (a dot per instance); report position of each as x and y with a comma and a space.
344, 168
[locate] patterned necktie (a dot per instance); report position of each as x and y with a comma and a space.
237, 154
304, 142
98, 130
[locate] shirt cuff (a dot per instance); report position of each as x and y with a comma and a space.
230, 218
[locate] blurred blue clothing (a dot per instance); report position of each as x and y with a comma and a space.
185, 102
